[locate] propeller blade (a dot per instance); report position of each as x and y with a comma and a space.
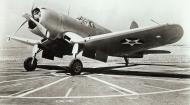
42, 29
33, 5
27, 16
20, 26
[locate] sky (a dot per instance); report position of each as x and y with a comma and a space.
115, 15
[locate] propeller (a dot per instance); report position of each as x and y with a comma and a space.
20, 26
42, 29
33, 5
30, 17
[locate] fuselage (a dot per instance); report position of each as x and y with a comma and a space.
58, 24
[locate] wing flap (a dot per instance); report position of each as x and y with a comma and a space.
156, 52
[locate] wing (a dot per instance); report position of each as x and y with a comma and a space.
24, 40
132, 41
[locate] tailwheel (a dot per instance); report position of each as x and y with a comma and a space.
126, 61
30, 64
75, 67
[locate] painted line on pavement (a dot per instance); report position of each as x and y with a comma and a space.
17, 93
118, 90
103, 96
68, 92
113, 85
5, 86
45, 86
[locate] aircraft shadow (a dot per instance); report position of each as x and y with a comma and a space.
110, 70
52, 67
138, 64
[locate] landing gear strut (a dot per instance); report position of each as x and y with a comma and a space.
75, 67
30, 64
126, 61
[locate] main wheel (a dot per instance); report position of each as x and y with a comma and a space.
75, 67
30, 64
126, 61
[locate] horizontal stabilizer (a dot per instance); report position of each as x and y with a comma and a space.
24, 40
156, 52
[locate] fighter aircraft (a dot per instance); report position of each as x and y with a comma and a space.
63, 35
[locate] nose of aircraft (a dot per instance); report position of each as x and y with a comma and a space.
36, 16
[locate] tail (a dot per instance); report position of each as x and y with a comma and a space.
134, 25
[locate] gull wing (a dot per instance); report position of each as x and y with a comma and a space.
135, 40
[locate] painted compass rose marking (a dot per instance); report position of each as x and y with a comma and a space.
131, 42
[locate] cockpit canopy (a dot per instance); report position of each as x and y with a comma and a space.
86, 22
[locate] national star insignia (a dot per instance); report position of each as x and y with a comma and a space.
131, 42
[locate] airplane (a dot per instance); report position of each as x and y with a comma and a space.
63, 35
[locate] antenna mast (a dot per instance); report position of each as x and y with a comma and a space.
155, 22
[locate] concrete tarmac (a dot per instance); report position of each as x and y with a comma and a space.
153, 80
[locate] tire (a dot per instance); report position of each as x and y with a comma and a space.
126, 61
28, 65
75, 67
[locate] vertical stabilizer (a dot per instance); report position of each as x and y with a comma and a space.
134, 25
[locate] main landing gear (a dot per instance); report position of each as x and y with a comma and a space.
126, 61
30, 64
75, 67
